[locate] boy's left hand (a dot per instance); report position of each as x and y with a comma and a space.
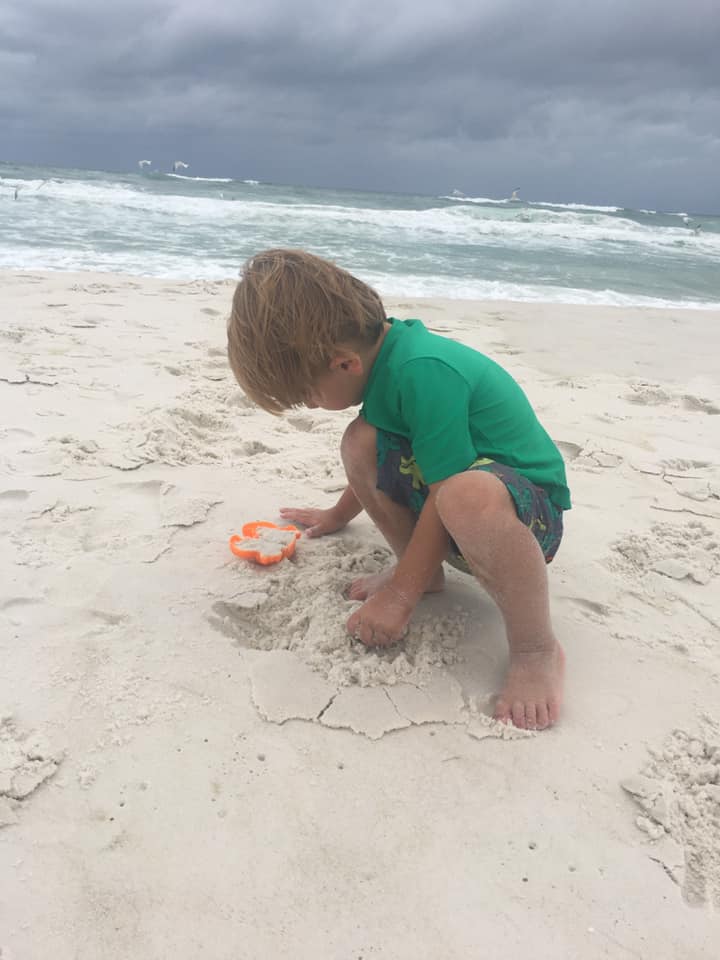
382, 619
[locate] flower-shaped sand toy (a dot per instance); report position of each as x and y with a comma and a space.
265, 542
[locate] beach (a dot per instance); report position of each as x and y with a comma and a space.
195, 760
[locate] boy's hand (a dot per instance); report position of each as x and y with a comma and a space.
382, 619
318, 523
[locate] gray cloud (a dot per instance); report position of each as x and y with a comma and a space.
605, 102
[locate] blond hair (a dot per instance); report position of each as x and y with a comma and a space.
291, 311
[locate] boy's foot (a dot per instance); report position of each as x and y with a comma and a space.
365, 587
533, 689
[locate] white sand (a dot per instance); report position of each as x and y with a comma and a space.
194, 758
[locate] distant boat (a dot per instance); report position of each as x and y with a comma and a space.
515, 194
180, 165
144, 163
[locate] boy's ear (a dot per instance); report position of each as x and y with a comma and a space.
348, 362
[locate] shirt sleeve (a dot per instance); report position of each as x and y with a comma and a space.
435, 404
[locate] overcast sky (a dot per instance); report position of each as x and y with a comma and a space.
604, 101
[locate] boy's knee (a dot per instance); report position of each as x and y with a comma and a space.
470, 493
358, 444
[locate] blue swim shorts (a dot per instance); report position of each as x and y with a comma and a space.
399, 476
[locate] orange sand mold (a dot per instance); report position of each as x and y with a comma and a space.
265, 542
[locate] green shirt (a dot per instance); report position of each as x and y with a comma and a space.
455, 404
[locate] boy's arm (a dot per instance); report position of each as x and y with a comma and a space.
348, 506
319, 522
424, 554
383, 618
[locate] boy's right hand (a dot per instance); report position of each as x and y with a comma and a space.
317, 523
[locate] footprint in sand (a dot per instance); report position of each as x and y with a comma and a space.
40, 615
16, 433
16, 609
251, 448
13, 496
648, 394
306, 424
303, 423
652, 394
700, 404
43, 462
592, 609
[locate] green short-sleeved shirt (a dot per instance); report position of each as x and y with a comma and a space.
455, 404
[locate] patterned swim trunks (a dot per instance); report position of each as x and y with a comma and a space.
399, 476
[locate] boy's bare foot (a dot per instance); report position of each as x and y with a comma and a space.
365, 587
533, 688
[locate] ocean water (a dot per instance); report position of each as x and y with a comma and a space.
167, 225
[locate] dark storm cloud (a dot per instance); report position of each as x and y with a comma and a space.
620, 101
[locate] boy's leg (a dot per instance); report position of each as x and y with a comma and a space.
478, 513
395, 521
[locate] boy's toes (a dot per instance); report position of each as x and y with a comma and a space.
356, 591
530, 716
553, 711
518, 715
502, 711
526, 716
533, 690
541, 715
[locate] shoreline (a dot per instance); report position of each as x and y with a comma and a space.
191, 752
692, 306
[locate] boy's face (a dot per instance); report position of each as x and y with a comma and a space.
341, 387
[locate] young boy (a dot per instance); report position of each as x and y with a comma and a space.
446, 456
